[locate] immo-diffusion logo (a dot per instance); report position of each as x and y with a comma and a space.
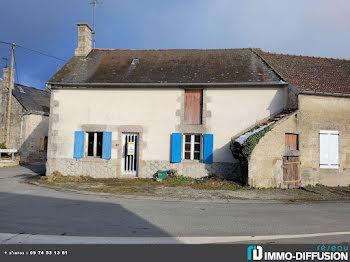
255, 253
323, 253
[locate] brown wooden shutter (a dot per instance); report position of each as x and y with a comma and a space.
291, 142
42, 144
193, 106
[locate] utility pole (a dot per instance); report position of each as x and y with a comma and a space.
10, 86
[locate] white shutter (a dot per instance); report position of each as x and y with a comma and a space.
324, 145
333, 150
329, 149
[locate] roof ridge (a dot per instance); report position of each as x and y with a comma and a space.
318, 57
31, 87
169, 49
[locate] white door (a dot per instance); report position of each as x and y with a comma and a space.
130, 154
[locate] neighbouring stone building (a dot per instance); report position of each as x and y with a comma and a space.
312, 144
129, 113
29, 120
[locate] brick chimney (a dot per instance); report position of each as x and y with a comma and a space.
84, 40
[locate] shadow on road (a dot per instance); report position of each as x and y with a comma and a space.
37, 169
29, 214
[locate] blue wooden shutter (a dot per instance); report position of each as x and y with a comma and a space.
79, 144
176, 147
106, 145
208, 141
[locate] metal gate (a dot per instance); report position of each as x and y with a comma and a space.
130, 154
291, 171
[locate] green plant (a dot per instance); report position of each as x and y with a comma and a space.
319, 185
201, 180
2, 146
249, 145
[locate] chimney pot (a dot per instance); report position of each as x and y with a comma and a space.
84, 40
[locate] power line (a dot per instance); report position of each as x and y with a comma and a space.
6, 43
35, 51
41, 53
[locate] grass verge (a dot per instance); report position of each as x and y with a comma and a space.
177, 186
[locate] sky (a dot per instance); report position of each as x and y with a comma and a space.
313, 28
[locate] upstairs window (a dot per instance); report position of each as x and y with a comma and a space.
329, 149
193, 106
192, 147
94, 142
292, 142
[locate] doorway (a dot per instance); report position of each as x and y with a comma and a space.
130, 154
291, 171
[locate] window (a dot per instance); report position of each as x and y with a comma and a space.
292, 142
94, 142
193, 106
329, 149
43, 144
192, 147
46, 139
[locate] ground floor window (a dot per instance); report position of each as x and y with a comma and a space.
329, 149
94, 144
192, 146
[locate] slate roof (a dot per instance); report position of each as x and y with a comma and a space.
32, 99
166, 66
311, 74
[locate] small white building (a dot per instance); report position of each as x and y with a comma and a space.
130, 113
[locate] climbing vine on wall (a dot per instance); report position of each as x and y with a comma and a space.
249, 145
244, 151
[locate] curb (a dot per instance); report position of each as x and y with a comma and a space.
7, 238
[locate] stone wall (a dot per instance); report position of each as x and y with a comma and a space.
102, 168
315, 113
265, 164
35, 128
16, 114
192, 169
3, 110
98, 168
323, 113
15, 124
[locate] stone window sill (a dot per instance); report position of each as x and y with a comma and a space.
93, 159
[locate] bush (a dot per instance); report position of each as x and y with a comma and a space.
2, 146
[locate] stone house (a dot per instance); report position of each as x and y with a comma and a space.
29, 120
310, 145
129, 113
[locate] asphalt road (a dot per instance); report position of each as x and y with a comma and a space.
34, 210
